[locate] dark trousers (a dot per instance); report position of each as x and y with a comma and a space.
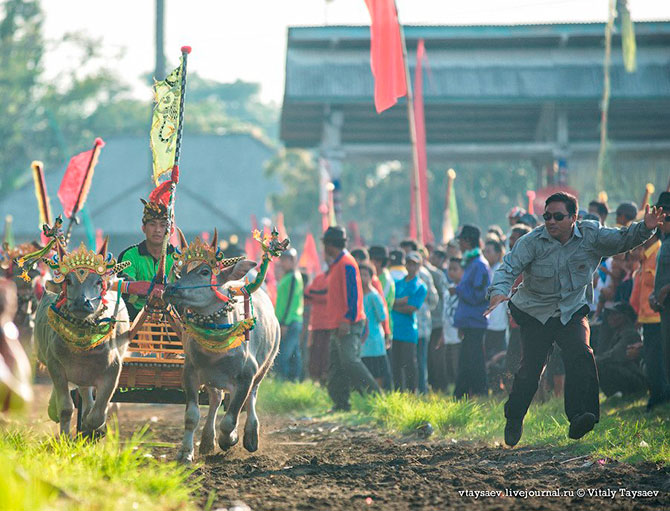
404, 366
652, 352
622, 376
318, 355
494, 342
665, 335
452, 353
347, 370
581, 375
471, 379
437, 362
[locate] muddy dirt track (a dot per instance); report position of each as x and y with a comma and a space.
315, 464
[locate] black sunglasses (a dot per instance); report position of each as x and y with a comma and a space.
557, 216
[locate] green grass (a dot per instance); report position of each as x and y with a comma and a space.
621, 434
44, 472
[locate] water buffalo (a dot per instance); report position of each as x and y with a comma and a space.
83, 305
199, 291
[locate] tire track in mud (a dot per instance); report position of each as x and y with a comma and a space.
308, 464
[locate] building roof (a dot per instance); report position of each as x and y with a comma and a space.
222, 183
486, 84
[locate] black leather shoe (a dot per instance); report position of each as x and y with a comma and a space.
513, 431
581, 424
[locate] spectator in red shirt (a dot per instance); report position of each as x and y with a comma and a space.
345, 316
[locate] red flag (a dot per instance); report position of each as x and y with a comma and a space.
281, 228
309, 259
161, 194
420, 121
386, 55
77, 179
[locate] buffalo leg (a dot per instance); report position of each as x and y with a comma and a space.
95, 419
239, 392
86, 394
60, 403
192, 414
251, 425
209, 431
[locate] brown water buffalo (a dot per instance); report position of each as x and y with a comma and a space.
84, 302
238, 371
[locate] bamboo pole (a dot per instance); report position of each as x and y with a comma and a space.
412, 135
97, 145
604, 107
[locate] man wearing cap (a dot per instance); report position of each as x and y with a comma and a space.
146, 255
346, 318
289, 310
469, 317
551, 305
410, 295
618, 368
660, 299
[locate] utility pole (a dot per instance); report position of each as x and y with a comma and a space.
159, 73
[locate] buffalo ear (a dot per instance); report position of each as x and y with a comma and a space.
236, 272
52, 287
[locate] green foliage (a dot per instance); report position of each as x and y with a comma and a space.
52, 118
625, 431
299, 176
57, 473
378, 196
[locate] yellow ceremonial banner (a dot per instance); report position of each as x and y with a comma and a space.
165, 122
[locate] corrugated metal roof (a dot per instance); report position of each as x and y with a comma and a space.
329, 67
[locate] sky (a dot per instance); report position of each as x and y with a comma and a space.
246, 39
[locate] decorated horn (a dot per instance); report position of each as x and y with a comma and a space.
182, 239
215, 239
103, 247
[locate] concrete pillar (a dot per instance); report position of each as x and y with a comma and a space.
332, 156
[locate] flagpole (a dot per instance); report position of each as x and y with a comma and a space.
160, 272
412, 134
97, 145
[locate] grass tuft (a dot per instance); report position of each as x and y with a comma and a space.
625, 431
40, 472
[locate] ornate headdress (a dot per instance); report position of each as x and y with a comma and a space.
82, 262
199, 252
154, 211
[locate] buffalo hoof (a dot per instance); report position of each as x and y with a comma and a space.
227, 441
206, 446
185, 456
93, 435
250, 441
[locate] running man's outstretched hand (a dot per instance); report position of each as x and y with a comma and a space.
653, 217
494, 302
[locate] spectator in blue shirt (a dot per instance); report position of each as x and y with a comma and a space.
410, 293
469, 317
373, 351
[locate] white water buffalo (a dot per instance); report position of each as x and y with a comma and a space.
72, 341
238, 371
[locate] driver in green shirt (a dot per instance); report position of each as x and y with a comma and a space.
146, 255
